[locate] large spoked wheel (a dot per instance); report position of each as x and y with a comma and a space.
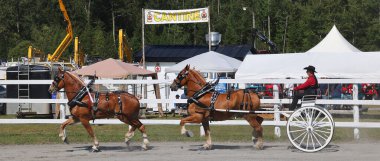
310, 129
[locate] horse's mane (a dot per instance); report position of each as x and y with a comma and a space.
198, 75
76, 77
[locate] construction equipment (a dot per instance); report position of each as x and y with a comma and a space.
33, 53
263, 38
78, 53
66, 41
123, 48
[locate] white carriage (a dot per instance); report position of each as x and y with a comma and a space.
309, 128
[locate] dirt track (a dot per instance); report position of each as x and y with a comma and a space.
181, 151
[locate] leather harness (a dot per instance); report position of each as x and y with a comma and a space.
209, 87
77, 101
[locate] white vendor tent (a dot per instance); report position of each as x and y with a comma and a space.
334, 42
208, 62
333, 57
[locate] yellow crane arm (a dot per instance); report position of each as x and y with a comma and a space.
68, 38
123, 48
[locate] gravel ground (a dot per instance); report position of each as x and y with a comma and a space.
182, 151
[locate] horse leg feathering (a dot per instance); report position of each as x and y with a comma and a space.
257, 134
129, 135
206, 127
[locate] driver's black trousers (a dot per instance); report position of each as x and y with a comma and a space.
298, 96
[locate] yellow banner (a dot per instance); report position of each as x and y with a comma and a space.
176, 16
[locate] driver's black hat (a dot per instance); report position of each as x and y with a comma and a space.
310, 68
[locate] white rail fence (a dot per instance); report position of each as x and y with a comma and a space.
356, 124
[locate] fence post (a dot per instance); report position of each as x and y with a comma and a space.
276, 107
355, 96
62, 110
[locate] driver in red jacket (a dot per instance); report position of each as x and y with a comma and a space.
310, 86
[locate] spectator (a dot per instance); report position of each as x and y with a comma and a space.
324, 88
289, 89
232, 88
269, 90
176, 106
336, 93
377, 88
183, 106
347, 91
369, 91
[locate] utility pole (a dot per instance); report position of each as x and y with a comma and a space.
253, 23
268, 21
286, 26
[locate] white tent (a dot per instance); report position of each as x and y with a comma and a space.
333, 57
333, 42
208, 62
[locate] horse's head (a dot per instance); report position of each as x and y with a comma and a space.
181, 79
58, 82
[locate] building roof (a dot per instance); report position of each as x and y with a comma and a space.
178, 53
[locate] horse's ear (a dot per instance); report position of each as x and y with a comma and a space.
187, 67
60, 69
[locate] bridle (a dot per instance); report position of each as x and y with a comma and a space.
181, 77
58, 78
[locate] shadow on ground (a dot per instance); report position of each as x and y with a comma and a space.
130, 148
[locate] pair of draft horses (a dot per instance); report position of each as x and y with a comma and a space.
126, 107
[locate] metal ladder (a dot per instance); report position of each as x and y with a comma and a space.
23, 91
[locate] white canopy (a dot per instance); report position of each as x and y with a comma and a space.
208, 62
333, 57
333, 42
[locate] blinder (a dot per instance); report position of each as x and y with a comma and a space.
180, 77
57, 79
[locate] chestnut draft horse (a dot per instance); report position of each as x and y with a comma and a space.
235, 100
120, 104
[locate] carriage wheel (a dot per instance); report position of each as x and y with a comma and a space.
310, 129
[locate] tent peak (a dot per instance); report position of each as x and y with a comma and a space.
333, 42
203, 63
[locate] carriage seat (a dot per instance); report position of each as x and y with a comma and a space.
309, 100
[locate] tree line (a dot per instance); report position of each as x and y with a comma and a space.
294, 25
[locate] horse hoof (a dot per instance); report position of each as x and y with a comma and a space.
207, 147
146, 142
66, 141
95, 150
189, 133
254, 141
128, 142
259, 146
144, 148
